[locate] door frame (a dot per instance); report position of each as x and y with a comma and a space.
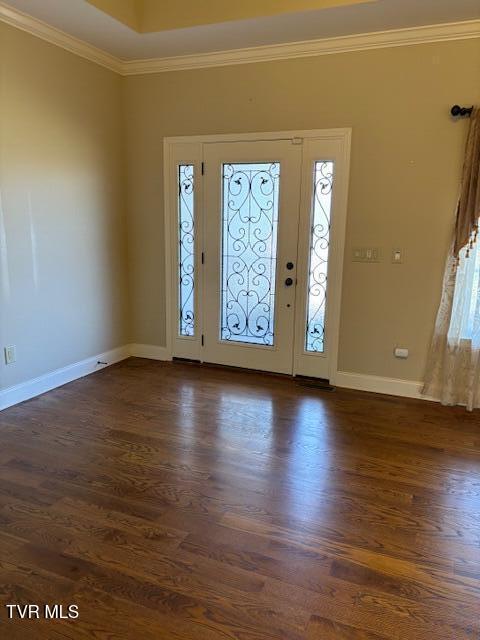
336, 259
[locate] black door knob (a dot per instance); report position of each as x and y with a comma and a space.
288, 282
290, 266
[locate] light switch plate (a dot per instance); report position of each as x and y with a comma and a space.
397, 256
10, 354
366, 254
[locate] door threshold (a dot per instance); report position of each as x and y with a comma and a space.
315, 383
227, 367
302, 381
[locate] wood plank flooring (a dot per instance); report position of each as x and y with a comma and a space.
185, 502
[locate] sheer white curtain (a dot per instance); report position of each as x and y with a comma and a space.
453, 367
465, 322
454, 372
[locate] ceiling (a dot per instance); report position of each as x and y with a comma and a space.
148, 16
112, 35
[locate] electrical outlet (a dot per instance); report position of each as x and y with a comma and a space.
10, 354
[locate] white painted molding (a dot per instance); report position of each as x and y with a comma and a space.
150, 351
59, 38
308, 48
378, 384
59, 377
37, 386
324, 46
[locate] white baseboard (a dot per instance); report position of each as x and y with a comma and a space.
378, 384
53, 379
150, 351
35, 387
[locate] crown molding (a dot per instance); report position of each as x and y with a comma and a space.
59, 38
309, 48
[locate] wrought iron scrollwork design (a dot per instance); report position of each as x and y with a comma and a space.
319, 246
249, 255
186, 249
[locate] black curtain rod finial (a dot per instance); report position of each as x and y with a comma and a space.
457, 111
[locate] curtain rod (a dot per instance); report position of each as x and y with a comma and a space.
463, 112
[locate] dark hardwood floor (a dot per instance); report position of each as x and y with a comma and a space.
176, 501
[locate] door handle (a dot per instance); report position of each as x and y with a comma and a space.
290, 265
288, 282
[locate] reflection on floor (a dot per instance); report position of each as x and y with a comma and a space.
178, 501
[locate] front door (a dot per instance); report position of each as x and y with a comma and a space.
252, 194
258, 237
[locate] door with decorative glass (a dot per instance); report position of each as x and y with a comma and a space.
258, 251
251, 227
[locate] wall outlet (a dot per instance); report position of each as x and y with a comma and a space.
401, 352
10, 354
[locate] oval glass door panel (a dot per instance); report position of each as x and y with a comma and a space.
250, 205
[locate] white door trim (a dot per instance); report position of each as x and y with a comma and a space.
337, 257
260, 135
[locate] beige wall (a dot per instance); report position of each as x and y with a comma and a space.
63, 232
63, 283
406, 162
